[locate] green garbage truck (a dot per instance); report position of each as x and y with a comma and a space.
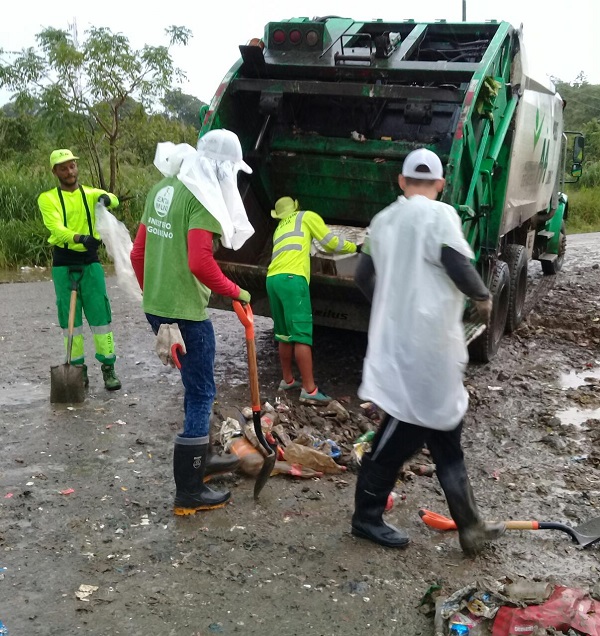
327, 109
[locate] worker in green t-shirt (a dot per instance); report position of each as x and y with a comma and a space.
172, 257
68, 212
288, 279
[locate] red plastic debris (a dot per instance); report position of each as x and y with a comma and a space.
566, 608
67, 491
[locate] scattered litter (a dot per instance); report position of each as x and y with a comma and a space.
247, 412
67, 491
230, 429
495, 388
9, 495
512, 608
358, 136
85, 591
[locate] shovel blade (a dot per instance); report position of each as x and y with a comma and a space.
66, 384
265, 473
588, 532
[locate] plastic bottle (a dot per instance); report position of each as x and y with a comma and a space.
365, 437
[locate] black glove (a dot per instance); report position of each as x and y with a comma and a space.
358, 248
89, 242
104, 199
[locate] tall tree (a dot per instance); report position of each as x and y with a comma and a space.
183, 107
87, 85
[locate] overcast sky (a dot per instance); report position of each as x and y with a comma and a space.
559, 43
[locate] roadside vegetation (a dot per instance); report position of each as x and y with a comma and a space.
112, 110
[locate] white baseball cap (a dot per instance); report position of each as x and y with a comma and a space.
222, 145
422, 164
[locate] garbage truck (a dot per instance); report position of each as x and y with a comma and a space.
327, 109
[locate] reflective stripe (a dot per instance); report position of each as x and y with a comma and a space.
286, 248
297, 231
327, 238
77, 331
101, 330
340, 245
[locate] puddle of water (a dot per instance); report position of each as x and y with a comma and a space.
25, 275
20, 394
575, 379
576, 417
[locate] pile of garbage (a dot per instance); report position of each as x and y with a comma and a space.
513, 608
312, 441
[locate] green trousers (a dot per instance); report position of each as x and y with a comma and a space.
92, 300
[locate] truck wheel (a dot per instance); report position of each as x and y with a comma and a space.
484, 347
553, 267
515, 257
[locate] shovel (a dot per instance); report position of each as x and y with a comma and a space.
66, 380
584, 534
244, 313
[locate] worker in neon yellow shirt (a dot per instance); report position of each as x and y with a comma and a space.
288, 279
68, 212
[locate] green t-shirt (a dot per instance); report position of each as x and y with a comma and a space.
170, 288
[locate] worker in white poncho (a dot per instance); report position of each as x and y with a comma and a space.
415, 268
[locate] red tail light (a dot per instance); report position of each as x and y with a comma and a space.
278, 36
295, 37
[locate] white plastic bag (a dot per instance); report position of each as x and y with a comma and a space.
117, 241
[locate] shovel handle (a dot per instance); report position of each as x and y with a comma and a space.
176, 349
244, 313
71, 323
439, 522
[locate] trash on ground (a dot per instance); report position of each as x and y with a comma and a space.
85, 591
514, 608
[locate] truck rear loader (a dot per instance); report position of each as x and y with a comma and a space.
327, 109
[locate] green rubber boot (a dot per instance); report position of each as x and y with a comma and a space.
84, 374
111, 381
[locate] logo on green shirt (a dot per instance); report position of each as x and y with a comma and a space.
162, 201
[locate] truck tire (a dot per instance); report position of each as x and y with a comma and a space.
515, 256
553, 267
485, 346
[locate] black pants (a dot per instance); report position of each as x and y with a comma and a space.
396, 442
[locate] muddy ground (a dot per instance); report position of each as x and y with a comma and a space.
287, 565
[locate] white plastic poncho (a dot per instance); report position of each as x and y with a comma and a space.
117, 241
416, 354
210, 174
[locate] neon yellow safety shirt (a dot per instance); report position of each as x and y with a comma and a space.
292, 240
61, 233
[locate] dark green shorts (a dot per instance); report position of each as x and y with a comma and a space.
289, 298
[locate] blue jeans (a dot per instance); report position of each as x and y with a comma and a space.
197, 371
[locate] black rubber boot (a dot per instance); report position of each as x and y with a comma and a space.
189, 466
219, 464
373, 488
473, 532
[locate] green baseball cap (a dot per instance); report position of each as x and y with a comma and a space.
60, 156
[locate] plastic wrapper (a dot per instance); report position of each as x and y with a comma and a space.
312, 458
118, 243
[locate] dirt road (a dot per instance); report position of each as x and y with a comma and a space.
288, 565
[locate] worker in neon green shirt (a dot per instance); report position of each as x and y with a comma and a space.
68, 212
288, 279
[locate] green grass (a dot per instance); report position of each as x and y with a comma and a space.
584, 211
23, 239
